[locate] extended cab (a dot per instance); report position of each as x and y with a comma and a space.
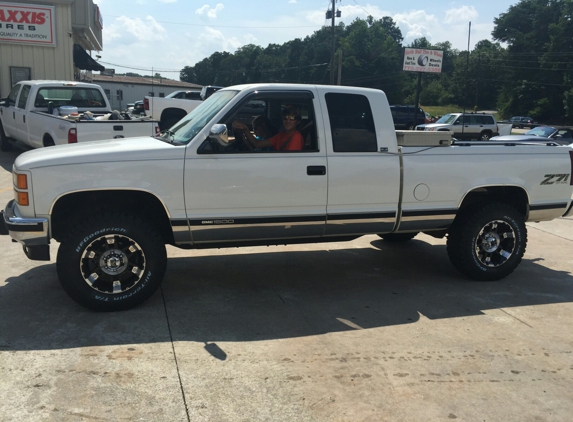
33, 114
113, 205
172, 108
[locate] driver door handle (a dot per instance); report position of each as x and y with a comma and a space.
316, 170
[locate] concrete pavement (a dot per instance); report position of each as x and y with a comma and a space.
355, 331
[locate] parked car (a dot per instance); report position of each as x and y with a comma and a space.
561, 135
480, 126
208, 90
185, 95
405, 117
138, 108
521, 122
552, 132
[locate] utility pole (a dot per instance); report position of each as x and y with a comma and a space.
332, 14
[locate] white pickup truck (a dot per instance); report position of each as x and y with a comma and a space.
33, 113
169, 110
114, 204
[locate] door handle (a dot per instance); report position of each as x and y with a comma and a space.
316, 170
118, 128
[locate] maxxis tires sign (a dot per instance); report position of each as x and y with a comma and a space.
27, 24
420, 60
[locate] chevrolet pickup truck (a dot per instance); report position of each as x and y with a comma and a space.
33, 113
113, 205
169, 110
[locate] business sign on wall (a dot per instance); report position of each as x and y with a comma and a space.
27, 24
420, 60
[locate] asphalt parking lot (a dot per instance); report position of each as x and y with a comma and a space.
355, 331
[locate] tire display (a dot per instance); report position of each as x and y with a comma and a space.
487, 243
112, 262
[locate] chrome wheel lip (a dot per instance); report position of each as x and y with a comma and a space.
495, 243
112, 264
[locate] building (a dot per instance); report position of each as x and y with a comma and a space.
122, 90
48, 40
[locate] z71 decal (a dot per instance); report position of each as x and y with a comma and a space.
559, 179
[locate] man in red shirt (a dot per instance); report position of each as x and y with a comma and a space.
289, 140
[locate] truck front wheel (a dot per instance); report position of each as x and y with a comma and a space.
488, 243
112, 262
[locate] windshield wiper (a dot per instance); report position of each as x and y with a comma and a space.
167, 135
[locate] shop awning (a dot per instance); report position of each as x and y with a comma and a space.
82, 60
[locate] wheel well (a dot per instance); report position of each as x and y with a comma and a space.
172, 113
511, 195
48, 141
76, 207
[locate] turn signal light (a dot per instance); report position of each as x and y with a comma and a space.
22, 198
22, 181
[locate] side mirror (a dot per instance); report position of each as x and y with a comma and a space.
220, 134
457, 122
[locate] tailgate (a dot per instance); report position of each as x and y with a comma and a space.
106, 129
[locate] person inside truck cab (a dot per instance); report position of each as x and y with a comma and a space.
288, 140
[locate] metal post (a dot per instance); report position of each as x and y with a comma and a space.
466, 90
339, 66
332, 44
417, 99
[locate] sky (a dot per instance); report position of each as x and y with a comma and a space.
163, 36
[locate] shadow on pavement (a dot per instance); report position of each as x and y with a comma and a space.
7, 158
261, 296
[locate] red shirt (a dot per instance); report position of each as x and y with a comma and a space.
295, 144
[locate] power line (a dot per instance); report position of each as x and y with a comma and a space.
223, 26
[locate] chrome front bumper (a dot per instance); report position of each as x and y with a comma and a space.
32, 233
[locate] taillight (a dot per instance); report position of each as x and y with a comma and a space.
72, 136
146, 103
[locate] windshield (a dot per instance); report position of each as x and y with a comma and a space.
448, 118
194, 122
541, 131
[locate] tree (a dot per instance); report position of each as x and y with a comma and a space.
538, 64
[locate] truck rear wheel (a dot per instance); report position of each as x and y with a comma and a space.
488, 243
112, 262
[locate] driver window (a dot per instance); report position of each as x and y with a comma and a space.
267, 125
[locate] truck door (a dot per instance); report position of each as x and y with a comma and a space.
235, 195
363, 167
20, 122
8, 112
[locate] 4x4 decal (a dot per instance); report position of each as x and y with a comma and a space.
551, 179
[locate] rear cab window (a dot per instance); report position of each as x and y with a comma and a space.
80, 97
351, 123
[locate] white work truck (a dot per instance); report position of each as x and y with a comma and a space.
47, 113
114, 204
169, 110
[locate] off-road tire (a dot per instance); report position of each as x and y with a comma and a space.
398, 237
111, 262
487, 243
